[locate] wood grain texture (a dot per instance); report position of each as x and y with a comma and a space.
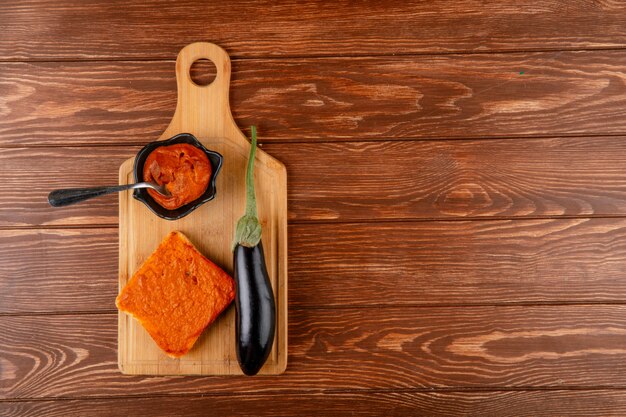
35, 172
470, 262
57, 270
425, 180
343, 349
486, 317
453, 96
424, 263
443, 179
577, 403
65, 29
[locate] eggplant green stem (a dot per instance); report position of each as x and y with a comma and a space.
248, 231
250, 194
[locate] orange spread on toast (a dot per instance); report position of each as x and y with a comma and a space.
176, 294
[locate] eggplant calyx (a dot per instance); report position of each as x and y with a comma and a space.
248, 230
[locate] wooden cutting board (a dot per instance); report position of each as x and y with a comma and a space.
204, 112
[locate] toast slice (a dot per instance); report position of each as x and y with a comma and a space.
176, 293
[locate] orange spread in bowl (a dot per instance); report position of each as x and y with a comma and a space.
176, 293
184, 170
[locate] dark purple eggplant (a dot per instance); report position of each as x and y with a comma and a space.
255, 309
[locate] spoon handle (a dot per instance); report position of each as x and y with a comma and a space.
65, 197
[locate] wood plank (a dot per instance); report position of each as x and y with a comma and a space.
65, 29
424, 263
344, 349
474, 262
58, 270
452, 96
579, 403
355, 181
29, 174
450, 179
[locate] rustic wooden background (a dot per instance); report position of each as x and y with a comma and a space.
457, 201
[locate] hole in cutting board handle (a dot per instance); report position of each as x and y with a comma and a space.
202, 72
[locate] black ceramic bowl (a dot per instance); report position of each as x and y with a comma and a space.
142, 195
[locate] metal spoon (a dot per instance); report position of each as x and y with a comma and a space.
67, 196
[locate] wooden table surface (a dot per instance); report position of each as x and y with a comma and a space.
457, 201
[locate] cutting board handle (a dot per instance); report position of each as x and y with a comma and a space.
203, 111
